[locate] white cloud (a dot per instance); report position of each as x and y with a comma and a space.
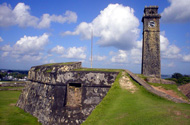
21, 16
72, 52
6, 15
171, 64
58, 49
133, 55
164, 42
49, 61
120, 57
46, 19
28, 48
30, 44
168, 51
75, 53
31, 57
69, 17
99, 58
115, 26
186, 58
5, 54
6, 48
178, 11
1, 39
136, 55
138, 44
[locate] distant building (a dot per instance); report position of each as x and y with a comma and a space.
22, 79
15, 79
10, 77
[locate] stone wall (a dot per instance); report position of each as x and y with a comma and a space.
185, 89
64, 97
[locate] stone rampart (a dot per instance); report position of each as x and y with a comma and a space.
57, 96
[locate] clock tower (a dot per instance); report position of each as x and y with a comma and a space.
151, 42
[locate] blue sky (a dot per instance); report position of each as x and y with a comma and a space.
37, 32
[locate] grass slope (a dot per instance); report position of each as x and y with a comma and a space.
12, 115
121, 107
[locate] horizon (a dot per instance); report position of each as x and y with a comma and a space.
97, 68
60, 31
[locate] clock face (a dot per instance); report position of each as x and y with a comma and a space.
151, 24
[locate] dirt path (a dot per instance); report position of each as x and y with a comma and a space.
169, 92
126, 83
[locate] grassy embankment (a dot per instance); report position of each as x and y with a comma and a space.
120, 107
12, 115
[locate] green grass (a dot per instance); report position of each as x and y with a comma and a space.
49, 70
38, 69
65, 63
12, 115
141, 76
13, 81
96, 69
120, 107
10, 87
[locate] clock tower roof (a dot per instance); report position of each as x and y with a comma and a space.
151, 12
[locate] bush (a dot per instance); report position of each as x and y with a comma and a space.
177, 75
180, 79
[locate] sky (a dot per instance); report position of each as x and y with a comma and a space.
36, 32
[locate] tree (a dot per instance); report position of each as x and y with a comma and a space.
177, 75
180, 79
2, 74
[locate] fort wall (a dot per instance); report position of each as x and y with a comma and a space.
57, 94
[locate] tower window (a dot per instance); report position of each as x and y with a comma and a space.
151, 12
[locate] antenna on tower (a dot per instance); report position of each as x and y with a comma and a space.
91, 45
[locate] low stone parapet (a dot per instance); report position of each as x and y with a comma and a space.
152, 90
159, 80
